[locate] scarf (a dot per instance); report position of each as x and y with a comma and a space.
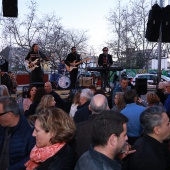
39, 155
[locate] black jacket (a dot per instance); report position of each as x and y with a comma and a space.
83, 136
93, 160
150, 154
83, 113
62, 160
31, 110
71, 58
109, 60
6, 80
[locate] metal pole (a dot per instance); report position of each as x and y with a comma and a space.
159, 48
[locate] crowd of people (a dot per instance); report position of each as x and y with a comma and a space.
88, 133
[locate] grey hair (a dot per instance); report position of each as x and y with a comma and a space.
10, 104
98, 105
87, 93
151, 117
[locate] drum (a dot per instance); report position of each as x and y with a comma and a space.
54, 77
64, 82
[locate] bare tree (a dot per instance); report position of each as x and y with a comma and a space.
54, 40
128, 25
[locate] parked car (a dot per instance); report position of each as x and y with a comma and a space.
164, 78
152, 80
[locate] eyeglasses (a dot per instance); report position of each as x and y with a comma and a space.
1, 114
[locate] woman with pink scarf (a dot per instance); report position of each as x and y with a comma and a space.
53, 129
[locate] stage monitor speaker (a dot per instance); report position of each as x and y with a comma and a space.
37, 84
10, 8
141, 86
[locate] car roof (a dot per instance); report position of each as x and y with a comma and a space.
146, 74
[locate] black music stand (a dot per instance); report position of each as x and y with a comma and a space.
105, 80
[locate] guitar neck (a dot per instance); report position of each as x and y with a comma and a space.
79, 62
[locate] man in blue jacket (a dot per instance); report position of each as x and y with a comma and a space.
16, 140
132, 111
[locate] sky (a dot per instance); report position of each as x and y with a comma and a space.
87, 15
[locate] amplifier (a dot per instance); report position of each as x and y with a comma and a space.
85, 81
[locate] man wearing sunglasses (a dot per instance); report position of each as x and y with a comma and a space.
105, 60
16, 140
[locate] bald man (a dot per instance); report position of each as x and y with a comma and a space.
59, 102
82, 143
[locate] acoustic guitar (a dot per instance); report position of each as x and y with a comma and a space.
70, 68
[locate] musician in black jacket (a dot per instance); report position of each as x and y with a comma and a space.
105, 60
71, 59
35, 68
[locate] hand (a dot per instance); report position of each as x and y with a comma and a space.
31, 64
126, 150
140, 100
47, 58
73, 64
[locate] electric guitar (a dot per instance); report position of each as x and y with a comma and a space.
32, 65
70, 68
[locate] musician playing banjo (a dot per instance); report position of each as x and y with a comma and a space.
71, 61
33, 60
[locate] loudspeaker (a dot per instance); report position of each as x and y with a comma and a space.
37, 84
141, 86
10, 8
154, 23
166, 24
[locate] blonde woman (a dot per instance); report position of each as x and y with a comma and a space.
4, 91
76, 102
46, 102
53, 130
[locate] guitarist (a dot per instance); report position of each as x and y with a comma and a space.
36, 74
71, 59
